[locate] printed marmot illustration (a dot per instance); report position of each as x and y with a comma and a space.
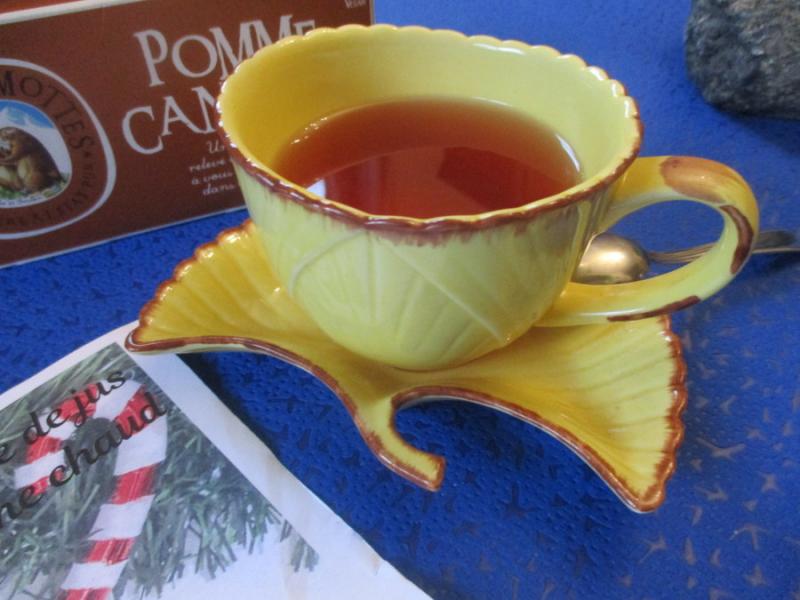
25, 164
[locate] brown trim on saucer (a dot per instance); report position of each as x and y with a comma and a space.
134, 343
261, 347
649, 500
654, 496
407, 225
746, 234
680, 394
177, 274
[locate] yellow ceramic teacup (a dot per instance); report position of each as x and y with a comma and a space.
430, 293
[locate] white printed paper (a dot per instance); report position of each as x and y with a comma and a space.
123, 476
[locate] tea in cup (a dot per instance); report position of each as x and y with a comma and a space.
426, 196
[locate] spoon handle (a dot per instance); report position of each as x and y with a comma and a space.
772, 241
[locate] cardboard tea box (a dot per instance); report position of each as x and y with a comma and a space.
107, 122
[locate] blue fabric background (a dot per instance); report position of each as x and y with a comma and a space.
519, 516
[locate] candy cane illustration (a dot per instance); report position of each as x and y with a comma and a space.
120, 520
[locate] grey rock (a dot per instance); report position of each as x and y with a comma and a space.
745, 54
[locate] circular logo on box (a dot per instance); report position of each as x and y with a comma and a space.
56, 164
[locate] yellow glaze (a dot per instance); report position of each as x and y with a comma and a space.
427, 294
612, 392
660, 179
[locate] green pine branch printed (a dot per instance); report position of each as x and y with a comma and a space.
205, 513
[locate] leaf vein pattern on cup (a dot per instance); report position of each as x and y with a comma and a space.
317, 253
474, 314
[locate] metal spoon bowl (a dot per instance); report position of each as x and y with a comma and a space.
612, 258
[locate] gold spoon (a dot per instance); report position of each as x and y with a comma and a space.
612, 258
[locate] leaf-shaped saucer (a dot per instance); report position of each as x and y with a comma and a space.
613, 393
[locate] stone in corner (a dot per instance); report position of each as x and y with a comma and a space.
745, 55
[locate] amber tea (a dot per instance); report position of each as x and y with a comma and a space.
430, 157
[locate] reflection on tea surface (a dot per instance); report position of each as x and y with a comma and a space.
430, 157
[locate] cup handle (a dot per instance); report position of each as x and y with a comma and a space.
662, 179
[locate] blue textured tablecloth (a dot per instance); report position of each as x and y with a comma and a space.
519, 516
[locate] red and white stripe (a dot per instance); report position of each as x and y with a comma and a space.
120, 520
